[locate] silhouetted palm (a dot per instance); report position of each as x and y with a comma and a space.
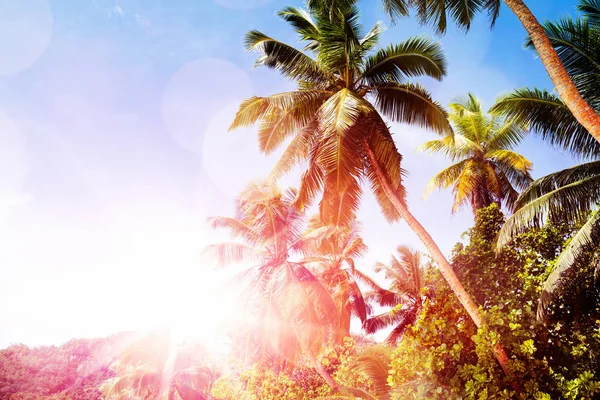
287, 311
404, 296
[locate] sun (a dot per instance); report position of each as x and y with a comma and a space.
171, 284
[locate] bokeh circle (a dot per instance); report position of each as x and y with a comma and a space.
196, 93
25, 33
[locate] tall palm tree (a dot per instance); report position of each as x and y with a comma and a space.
572, 193
334, 249
334, 117
486, 169
404, 296
153, 367
439, 12
577, 42
288, 313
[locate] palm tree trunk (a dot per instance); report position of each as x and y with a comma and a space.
567, 90
324, 374
435, 252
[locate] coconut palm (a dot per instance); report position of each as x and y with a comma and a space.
572, 193
462, 12
404, 296
577, 42
334, 250
287, 312
335, 117
153, 367
486, 169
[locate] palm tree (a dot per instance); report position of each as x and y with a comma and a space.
335, 122
578, 45
334, 249
405, 295
572, 193
287, 311
153, 367
439, 12
486, 169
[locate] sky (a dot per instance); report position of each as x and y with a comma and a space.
114, 149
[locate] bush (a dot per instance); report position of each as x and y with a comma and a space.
444, 356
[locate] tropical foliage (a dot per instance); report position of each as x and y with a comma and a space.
405, 295
573, 193
303, 285
334, 250
343, 91
558, 60
335, 116
155, 367
444, 356
286, 311
487, 170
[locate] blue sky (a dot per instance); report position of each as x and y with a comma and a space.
113, 151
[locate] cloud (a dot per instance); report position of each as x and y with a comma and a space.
117, 10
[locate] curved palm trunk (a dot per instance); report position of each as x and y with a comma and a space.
435, 252
345, 317
324, 374
567, 90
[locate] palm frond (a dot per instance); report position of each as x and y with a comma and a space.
417, 56
237, 228
250, 111
508, 136
377, 371
383, 320
232, 253
445, 178
303, 24
577, 44
456, 147
590, 10
277, 55
462, 12
412, 104
587, 236
370, 40
548, 117
511, 160
571, 201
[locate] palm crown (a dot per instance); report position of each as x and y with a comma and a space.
335, 111
406, 274
578, 45
286, 310
335, 249
573, 193
487, 170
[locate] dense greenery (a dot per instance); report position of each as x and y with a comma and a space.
74, 370
444, 356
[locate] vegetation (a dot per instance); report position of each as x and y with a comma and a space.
487, 170
570, 194
443, 356
405, 295
514, 314
74, 370
336, 129
438, 12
